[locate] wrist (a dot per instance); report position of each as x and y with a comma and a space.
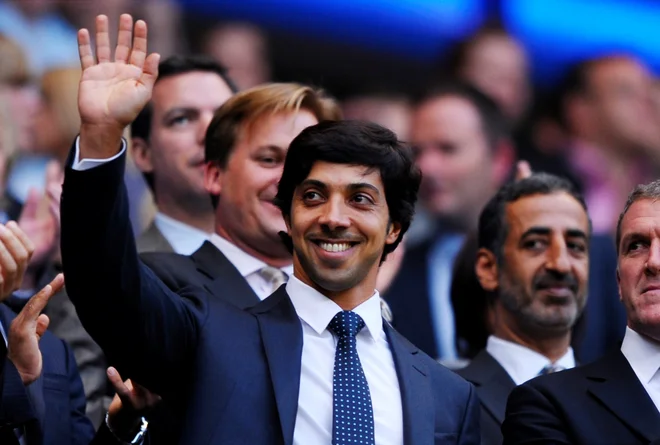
129, 431
99, 141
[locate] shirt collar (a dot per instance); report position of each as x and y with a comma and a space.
520, 362
245, 263
317, 310
184, 238
642, 353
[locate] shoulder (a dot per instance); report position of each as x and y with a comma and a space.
166, 260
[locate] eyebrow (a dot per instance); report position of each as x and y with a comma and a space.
350, 187
180, 110
572, 233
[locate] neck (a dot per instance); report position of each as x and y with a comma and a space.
282, 259
199, 220
347, 299
551, 345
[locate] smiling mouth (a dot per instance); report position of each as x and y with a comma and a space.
334, 247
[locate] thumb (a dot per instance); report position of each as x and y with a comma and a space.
523, 170
42, 324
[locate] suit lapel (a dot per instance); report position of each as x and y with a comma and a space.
227, 281
281, 332
416, 393
492, 383
617, 387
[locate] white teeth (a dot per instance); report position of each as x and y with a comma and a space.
335, 247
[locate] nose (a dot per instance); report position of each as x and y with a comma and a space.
334, 215
429, 161
558, 257
204, 121
653, 260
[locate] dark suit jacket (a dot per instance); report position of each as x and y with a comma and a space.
600, 403
52, 409
493, 386
599, 330
152, 240
236, 373
208, 268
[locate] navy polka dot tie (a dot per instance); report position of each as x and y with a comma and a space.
353, 417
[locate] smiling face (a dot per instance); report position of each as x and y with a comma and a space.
339, 225
542, 280
247, 186
638, 272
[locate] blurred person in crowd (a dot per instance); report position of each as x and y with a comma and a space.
165, 16
341, 179
496, 63
608, 113
168, 147
43, 35
243, 49
390, 111
533, 263
463, 150
617, 398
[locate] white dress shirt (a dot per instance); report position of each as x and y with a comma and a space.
520, 362
247, 265
314, 416
643, 354
184, 238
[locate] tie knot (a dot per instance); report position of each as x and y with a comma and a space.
549, 369
346, 324
274, 276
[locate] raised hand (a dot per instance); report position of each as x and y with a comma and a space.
112, 93
26, 331
39, 225
130, 404
16, 249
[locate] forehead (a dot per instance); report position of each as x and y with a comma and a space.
556, 211
194, 89
618, 71
642, 217
495, 49
277, 129
447, 115
342, 175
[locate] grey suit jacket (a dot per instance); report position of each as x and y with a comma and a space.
152, 240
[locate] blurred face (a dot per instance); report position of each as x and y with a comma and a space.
455, 159
339, 226
497, 65
183, 106
638, 271
246, 214
543, 277
621, 102
24, 105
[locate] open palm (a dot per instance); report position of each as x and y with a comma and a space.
112, 93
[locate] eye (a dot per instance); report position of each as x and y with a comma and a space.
361, 198
535, 244
576, 246
634, 246
180, 120
311, 196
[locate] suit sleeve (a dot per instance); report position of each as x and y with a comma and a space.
82, 430
470, 431
532, 419
16, 405
148, 332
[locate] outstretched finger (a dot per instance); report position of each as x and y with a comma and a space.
38, 302
85, 49
121, 388
139, 52
150, 70
102, 39
124, 38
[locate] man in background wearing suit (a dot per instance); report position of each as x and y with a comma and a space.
616, 399
347, 194
168, 147
533, 261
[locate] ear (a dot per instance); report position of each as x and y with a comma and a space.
142, 155
487, 270
213, 176
287, 222
503, 161
393, 231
